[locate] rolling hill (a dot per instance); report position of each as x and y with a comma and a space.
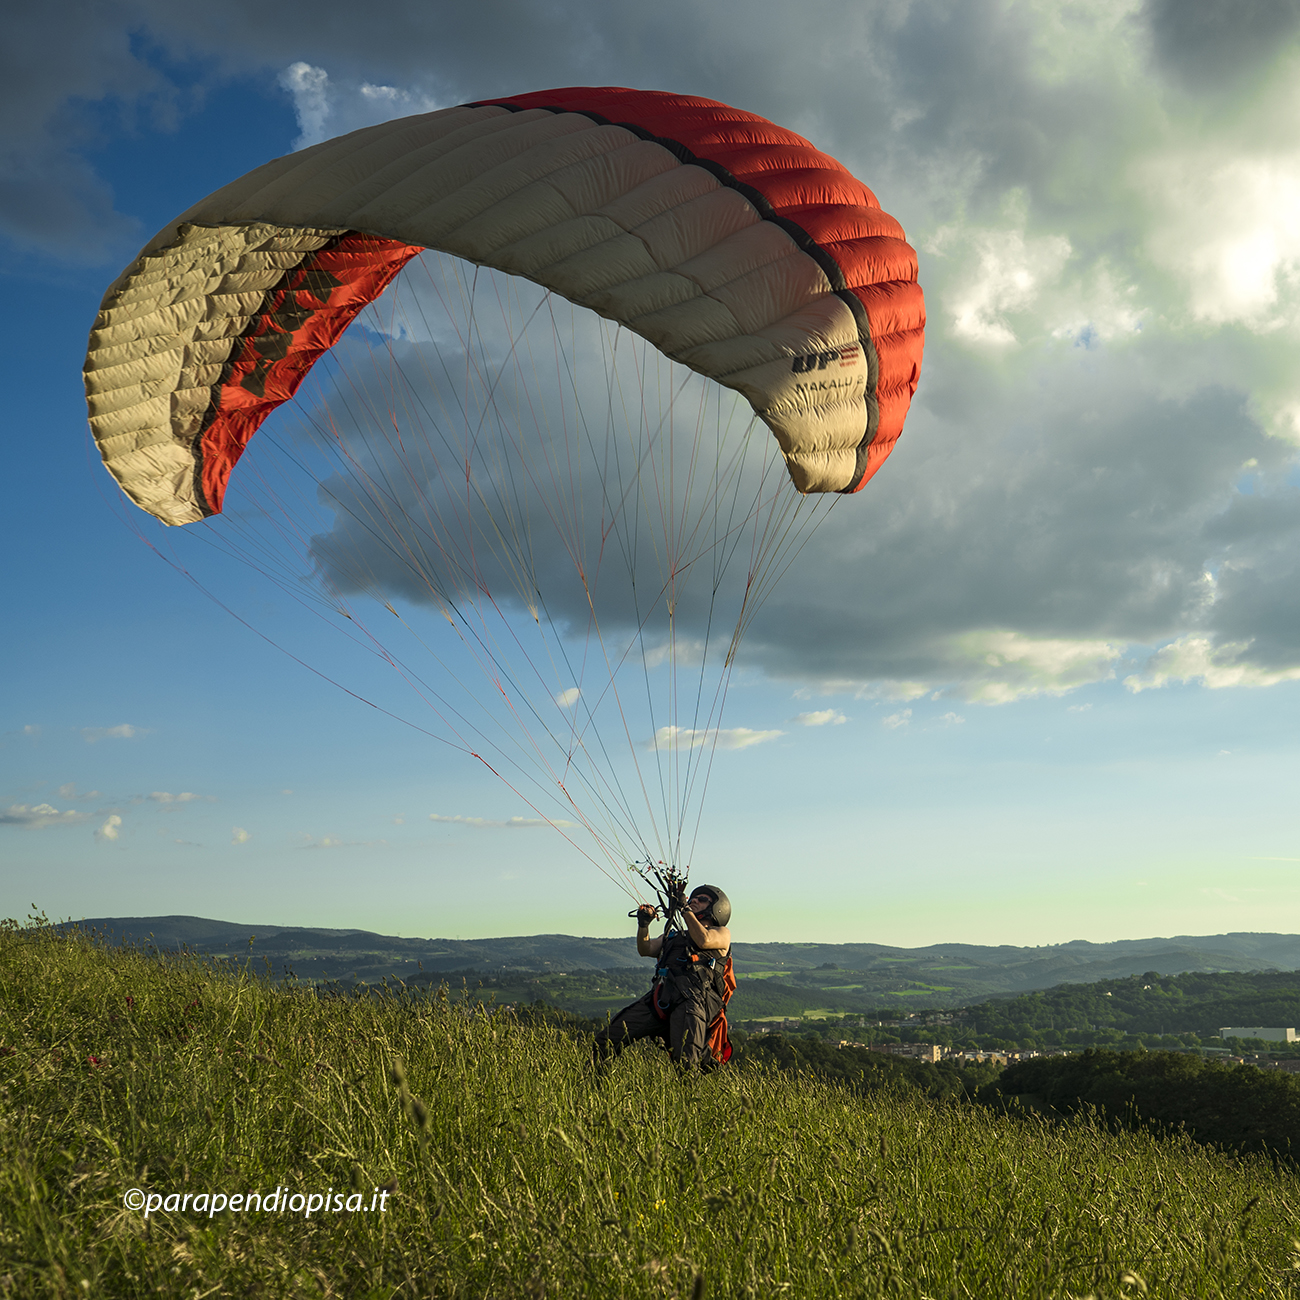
798, 975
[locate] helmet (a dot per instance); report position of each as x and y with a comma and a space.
720, 911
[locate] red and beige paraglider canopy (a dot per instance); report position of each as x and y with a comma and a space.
730, 244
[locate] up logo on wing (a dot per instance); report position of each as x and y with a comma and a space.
846, 356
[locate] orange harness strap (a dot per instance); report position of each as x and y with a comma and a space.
719, 1039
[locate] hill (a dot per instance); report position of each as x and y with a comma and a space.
842, 977
175, 1127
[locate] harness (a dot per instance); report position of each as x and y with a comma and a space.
687, 970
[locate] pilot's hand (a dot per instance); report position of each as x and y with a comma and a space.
645, 914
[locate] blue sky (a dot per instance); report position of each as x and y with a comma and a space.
1062, 627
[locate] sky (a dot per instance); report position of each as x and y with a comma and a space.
1040, 681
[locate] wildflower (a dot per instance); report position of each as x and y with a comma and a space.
93, 1061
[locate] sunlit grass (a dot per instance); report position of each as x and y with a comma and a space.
512, 1172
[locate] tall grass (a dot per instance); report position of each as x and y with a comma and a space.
512, 1172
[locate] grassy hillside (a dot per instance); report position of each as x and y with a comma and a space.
497, 1165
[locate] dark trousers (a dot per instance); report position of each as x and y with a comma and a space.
685, 1031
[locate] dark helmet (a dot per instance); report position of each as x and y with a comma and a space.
720, 911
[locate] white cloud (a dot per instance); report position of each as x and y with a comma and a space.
161, 796
952, 719
1007, 666
722, 738
902, 692
326, 108
896, 720
819, 718
38, 816
124, 731
392, 101
69, 791
509, 824
309, 89
238, 835
683, 651
998, 272
898, 692
567, 699
109, 830
1229, 228
336, 842
1197, 659
31, 730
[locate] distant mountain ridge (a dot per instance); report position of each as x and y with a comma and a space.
944, 974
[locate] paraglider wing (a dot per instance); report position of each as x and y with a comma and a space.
729, 243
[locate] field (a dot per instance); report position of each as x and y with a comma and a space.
482, 1158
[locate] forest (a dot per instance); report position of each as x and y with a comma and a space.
1170, 1010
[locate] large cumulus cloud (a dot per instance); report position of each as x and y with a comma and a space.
1098, 478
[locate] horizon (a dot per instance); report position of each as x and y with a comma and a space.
1041, 676
481, 938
